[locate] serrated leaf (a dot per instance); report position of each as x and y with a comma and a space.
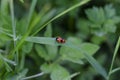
96, 15
60, 73
109, 11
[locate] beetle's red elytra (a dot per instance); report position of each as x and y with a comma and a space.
60, 40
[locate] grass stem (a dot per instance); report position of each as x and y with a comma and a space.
113, 59
14, 28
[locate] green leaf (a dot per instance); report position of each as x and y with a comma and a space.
71, 55
50, 54
74, 55
27, 47
41, 51
109, 26
96, 15
60, 73
89, 48
51, 51
90, 59
42, 40
109, 11
97, 39
47, 68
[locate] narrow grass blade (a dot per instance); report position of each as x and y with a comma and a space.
31, 12
42, 40
96, 65
114, 55
8, 68
9, 61
61, 14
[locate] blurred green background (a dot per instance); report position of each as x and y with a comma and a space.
97, 21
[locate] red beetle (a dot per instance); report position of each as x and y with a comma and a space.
60, 40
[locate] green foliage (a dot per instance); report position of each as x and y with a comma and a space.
101, 21
27, 49
59, 73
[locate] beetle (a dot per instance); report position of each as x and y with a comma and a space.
60, 40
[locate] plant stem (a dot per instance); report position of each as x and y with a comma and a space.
33, 76
13, 28
114, 55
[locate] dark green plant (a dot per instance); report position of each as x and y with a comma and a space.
20, 40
